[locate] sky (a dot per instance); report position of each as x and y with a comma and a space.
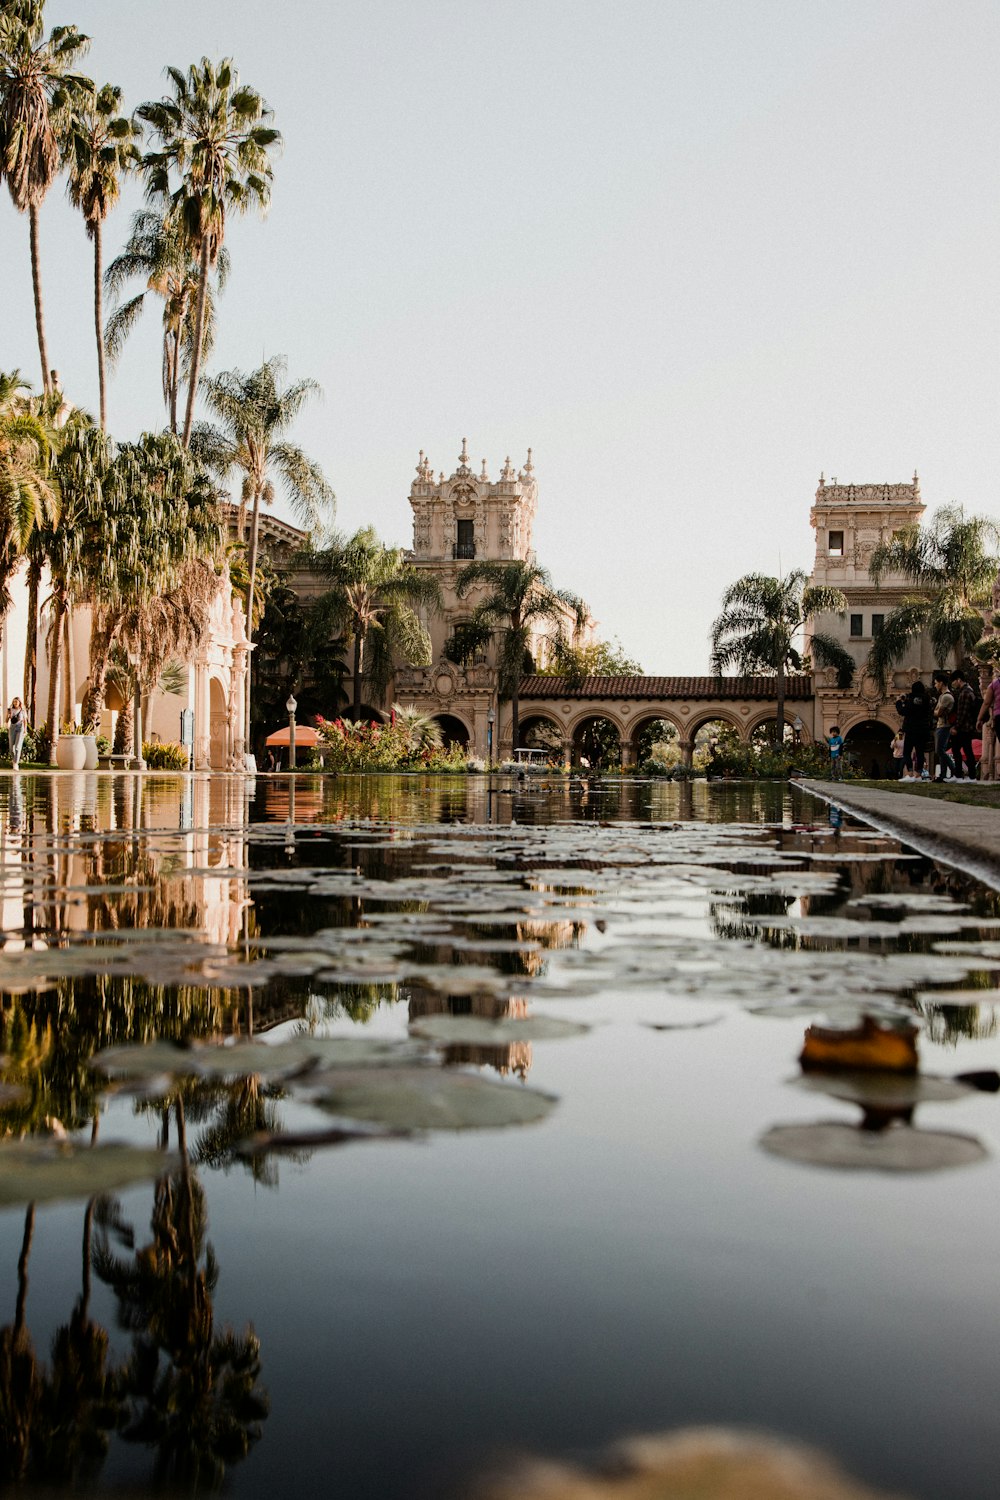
691, 252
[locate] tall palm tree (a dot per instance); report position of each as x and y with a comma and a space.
213, 159
520, 598
36, 82
253, 414
760, 620
158, 253
100, 148
952, 566
371, 601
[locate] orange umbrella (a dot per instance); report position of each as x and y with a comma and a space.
304, 736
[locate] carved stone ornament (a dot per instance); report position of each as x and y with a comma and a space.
684, 708
444, 685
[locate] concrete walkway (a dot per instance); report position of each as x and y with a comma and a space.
965, 836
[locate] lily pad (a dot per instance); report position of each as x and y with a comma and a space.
432, 1099
45, 1171
474, 1030
901, 1148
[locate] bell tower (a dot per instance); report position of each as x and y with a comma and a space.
469, 516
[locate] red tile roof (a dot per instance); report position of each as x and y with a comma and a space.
796, 688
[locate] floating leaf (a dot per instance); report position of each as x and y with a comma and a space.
884, 1090
475, 1030
43, 1171
900, 1148
432, 1099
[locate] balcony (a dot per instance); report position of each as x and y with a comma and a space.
465, 551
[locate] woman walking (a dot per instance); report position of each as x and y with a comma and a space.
16, 725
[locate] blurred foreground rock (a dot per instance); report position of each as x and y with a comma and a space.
704, 1463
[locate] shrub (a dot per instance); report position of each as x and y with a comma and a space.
164, 757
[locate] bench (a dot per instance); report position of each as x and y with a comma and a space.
114, 762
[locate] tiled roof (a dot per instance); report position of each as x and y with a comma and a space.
797, 688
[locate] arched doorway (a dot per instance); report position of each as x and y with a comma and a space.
453, 731
218, 726
868, 748
597, 744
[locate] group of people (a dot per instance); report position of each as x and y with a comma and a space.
952, 712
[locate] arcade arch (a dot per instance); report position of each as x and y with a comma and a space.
454, 731
598, 739
540, 732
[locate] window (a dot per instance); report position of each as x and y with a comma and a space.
857, 624
877, 622
835, 543
465, 539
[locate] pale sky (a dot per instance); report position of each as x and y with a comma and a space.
692, 252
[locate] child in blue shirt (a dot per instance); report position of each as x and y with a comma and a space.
836, 743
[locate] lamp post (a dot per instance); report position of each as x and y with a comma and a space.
491, 719
291, 706
797, 729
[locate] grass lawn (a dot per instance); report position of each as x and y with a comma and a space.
977, 794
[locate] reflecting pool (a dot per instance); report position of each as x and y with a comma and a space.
360, 1133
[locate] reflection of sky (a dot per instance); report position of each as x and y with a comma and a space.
635, 1262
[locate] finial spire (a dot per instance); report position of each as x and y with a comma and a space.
463, 457
822, 480
529, 467
484, 474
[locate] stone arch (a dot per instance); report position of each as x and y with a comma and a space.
454, 729
596, 712
533, 720
758, 720
712, 715
596, 746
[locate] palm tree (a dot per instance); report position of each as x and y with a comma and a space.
213, 135
148, 562
520, 599
254, 413
952, 566
35, 84
371, 601
100, 149
28, 492
158, 253
760, 620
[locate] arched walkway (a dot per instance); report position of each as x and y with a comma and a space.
597, 740
540, 732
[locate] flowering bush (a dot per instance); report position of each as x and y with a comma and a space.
384, 747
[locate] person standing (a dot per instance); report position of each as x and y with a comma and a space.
914, 708
944, 722
964, 730
17, 722
835, 741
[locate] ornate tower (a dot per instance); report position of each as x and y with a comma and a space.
469, 516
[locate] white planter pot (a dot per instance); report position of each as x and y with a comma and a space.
90, 762
71, 752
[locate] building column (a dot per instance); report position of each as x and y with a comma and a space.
627, 755
202, 758
687, 753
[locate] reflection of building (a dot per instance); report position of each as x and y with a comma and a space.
503, 1057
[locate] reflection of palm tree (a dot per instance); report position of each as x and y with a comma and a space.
20, 1382
187, 1390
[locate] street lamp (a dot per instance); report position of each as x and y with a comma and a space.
797, 729
491, 719
291, 706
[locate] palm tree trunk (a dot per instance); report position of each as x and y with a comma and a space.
175, 368
199, 327
99, 322
359, 656
31, 644
514, 716
55, 654
36, 286
779, 712
93, 698
251, 583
